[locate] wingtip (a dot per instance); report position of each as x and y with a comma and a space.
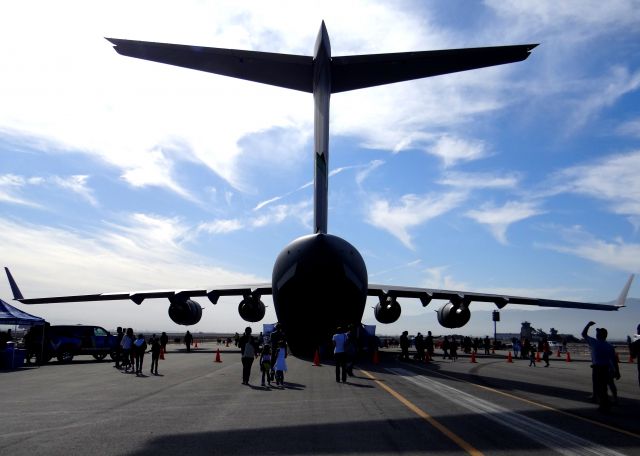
17, 294
622, 299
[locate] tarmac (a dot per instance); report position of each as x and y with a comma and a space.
197, 406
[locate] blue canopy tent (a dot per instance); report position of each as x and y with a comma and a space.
9, 315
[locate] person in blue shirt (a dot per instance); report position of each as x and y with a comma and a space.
603, 363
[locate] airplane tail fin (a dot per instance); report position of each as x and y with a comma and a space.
17, 295
620, 302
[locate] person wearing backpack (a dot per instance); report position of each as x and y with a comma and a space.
248, 350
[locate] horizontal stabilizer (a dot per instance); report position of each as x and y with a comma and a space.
282, 70
360, 71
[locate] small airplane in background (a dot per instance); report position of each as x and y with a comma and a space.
320, 281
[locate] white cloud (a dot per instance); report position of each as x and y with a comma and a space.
12, 185
277, 214
77, 184
409, 212
613, 179
630, 128
479, 180
618, 254
498, 219
362, 175
453, 150
221, 226
602, 94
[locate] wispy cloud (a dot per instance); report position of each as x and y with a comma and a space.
630, 128
472, 181
613, 179
602, 94
410, 211
12, 186
360, 176
453, 150
616, 254
498, 219
221, 226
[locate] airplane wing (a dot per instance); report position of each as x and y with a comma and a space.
425, 295
282, 70
347, 72
213, 294
360, 71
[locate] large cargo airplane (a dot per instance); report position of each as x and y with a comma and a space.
320, 281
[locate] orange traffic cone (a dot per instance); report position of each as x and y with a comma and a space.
427, 358
195, 343
558, 354
161, 353
568, 357
376, 358
316, 358
630, 359
509, 358
218, 360
473, 357
538, 358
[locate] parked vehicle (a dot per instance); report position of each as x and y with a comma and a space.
66, 341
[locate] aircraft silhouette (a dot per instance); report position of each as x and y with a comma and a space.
320, 281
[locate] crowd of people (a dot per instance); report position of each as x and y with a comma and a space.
130, 351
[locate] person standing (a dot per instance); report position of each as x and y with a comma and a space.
164, 340
248, 349
265, 364
419, 342
281, 363
188, 339
603, 361
339, 343
429, 345
155, 353
634, 349
139, 348
404, 346
546, 351
119, 335
126, 344
453, 349
487, 345
446, 345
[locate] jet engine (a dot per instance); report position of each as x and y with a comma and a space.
387, 310
251, 309
184, 311
453, 315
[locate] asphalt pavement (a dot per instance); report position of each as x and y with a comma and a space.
197, 406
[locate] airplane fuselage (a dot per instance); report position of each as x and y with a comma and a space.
319, 283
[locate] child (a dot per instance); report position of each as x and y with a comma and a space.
281, 363
532, 357
265, 364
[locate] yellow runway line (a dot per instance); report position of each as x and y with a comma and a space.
424, 415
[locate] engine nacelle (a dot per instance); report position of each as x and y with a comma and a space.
387, 310
251, 309
184, 311
453, 316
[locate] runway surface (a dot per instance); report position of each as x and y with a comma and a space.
197, 406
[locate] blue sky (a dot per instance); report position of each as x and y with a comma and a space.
118, 174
